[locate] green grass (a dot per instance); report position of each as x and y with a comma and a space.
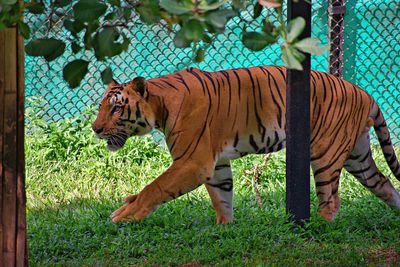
73, 184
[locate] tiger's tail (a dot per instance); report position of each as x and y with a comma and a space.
385, 142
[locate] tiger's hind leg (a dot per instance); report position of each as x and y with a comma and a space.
362, 165
327, 167
327, 186
220, 189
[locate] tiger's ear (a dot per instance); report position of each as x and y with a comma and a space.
139, 84
113, 83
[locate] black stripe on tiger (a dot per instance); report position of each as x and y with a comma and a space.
204, 124
325, 183
226, 75
223, 166
239, 83
138, 113
235, 142
279, 115
182, 80
170, 85
227, 185
336, 157
253, 143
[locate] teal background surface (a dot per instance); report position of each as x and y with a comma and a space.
371, 59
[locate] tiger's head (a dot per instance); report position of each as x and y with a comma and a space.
124, 112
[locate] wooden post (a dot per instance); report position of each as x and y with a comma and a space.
298, 126
13, 245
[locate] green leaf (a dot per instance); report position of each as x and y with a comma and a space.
106, 75
110, 16
267, 27
199, 55
149, 11
290, 60
207, 39
68, 25
73, 26
193, 30
311, 45
115, 2
103, 43
126, 42
205, 6
75, 71
58, 52
219, 18
75, 47
87, 39
49, 48
297, 54
78, 26
93, 26
62, 3
257, 10
296, 27
238, 4
257, 41
177, 7
35, 7
89, 10
127, 14
180, 40
10, 14
106, 44
24, 29
211, 28
8, 2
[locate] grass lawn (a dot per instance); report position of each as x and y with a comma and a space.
73, 184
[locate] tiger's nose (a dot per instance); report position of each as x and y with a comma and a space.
97, 130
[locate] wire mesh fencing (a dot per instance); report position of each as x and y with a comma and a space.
371, 54
365, 38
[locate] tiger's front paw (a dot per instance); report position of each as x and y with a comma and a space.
130, 210
130, 199
224, 219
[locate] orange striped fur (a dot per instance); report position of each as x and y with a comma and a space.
210, 118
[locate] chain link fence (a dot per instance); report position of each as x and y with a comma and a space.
365, 40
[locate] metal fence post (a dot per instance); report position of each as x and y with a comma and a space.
336, 11
298, 126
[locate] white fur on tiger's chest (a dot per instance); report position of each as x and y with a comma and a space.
229, 152
242, 148
254, 145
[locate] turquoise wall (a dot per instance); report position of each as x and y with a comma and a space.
371, 53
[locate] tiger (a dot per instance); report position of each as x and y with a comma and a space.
211, 118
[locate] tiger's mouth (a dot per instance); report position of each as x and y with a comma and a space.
116, 141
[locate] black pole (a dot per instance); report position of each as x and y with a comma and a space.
298, 126
337, 9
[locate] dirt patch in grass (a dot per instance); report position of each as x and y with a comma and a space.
390, 257
191, 264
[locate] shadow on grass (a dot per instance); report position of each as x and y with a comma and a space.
184, 231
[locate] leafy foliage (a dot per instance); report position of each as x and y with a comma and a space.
102, 27
49, 48
88, 10
9, 13
106, 75
74, 71
257, 40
